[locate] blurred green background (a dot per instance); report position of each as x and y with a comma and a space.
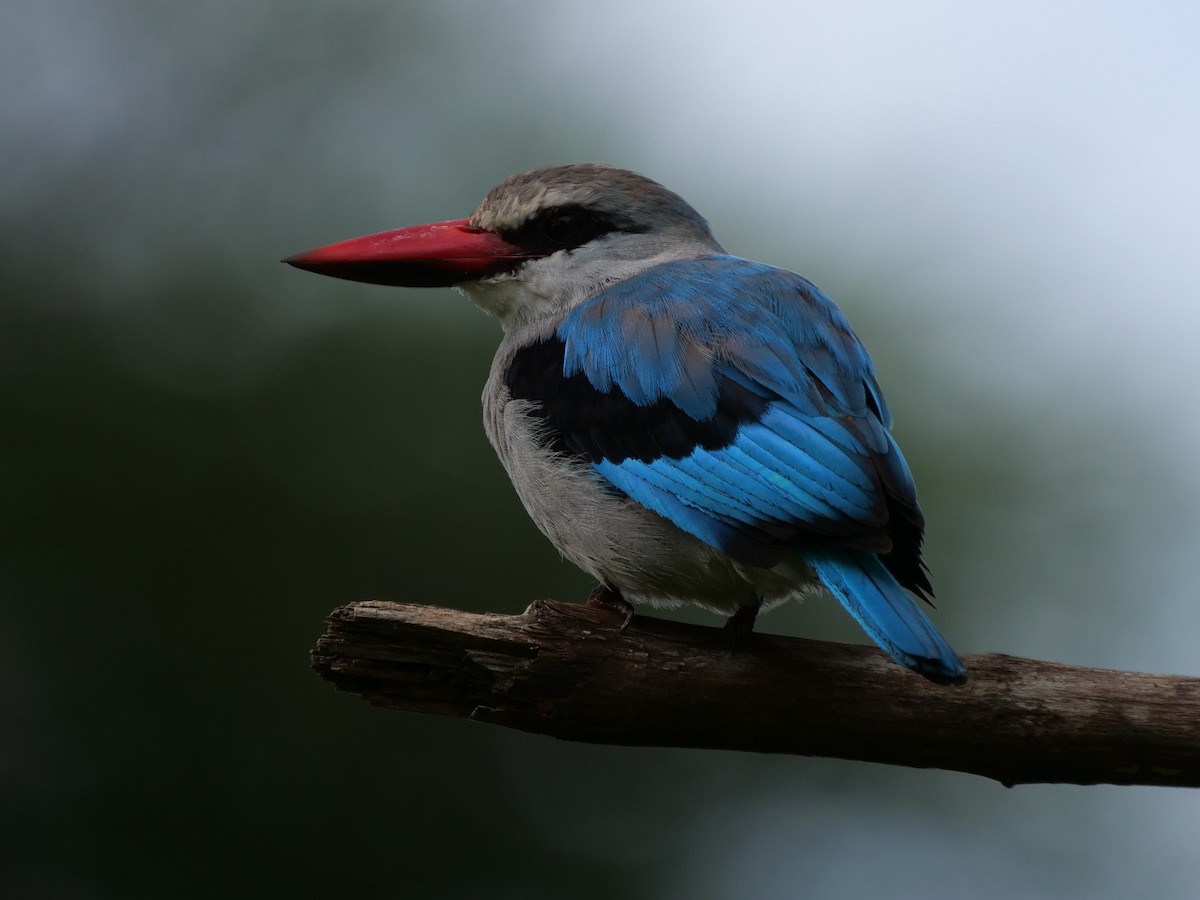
203, 451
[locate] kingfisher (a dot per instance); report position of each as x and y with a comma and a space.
684, 425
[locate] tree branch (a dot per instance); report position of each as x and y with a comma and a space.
568, 671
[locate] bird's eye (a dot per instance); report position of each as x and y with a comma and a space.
564, 228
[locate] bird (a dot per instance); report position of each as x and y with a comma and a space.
684, 425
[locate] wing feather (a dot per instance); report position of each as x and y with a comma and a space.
733, 399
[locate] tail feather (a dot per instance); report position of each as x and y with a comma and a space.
887, 613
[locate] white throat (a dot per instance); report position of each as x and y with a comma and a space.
554, 284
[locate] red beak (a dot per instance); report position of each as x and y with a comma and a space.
437, 255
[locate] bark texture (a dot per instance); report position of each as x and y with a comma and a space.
571, 672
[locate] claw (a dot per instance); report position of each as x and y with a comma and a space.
604, 597
741, 624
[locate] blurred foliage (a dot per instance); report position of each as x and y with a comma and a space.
204, 452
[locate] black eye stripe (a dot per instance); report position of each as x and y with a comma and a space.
565, 228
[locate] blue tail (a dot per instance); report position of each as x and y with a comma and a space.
887, 613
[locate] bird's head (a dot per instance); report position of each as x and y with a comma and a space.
539, 243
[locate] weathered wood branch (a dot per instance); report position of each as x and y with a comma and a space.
569, 671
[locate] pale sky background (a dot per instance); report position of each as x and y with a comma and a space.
1019, 179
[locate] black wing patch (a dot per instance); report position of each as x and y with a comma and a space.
606, 425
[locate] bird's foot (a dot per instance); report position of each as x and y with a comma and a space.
604, 597
741, 624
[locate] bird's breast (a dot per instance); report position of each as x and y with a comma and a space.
614, 539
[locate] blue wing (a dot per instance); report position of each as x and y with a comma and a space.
733, 399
